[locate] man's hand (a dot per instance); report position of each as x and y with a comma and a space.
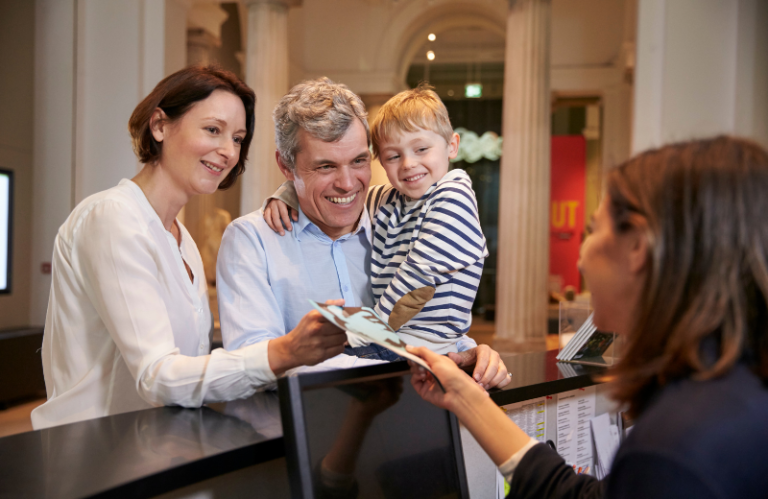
489, 372
278, 214
312, 341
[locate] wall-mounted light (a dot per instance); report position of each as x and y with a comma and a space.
431, 55
431, 37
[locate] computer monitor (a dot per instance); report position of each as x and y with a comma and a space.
365, 432
6, 220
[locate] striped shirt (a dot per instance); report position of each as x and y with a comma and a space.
432, 241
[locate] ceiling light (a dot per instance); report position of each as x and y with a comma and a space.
431, 55
431, 37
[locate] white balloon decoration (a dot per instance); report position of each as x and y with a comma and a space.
473, 148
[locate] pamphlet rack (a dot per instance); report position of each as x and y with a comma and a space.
579, 340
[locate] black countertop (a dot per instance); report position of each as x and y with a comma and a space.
150, 452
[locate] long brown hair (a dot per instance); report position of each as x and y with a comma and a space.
704, 208
175, 95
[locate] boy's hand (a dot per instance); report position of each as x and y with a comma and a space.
278, 214
489, 372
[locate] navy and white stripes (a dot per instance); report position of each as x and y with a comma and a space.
433, 241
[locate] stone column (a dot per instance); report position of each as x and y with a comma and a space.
266, 71
523, 254
204, 21
199, 45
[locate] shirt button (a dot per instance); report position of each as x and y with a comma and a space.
346, 288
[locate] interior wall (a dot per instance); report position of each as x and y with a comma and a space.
53, 132
108, 92
693, 28
94, 61
17, 23
752, 71
587, 32
175, 29
702, 70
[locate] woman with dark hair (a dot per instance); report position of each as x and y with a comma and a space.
128, 324
677, 260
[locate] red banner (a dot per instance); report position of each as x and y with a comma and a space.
566, 221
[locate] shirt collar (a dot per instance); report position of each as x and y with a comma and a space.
152, 215
141, 198
457, 174
305, 224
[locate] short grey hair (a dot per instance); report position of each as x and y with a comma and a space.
322, 108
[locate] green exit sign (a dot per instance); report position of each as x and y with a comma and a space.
473, 90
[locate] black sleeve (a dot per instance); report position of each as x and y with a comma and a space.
642, 475
542, 474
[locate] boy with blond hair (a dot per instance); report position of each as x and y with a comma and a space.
428, 248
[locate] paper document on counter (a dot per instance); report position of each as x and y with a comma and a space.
574, 439
606, 438
530, 416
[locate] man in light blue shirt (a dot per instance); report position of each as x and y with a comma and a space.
265, 280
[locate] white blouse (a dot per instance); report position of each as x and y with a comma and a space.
126, 329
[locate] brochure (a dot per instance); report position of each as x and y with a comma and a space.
366, 324
586, 343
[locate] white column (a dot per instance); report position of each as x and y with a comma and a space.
266, 71
523, 255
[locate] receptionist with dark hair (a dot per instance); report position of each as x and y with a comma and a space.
677, 260
128, 324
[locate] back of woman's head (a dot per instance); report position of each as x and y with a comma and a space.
175, 95
703, 207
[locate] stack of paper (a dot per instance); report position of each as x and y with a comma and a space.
606, 438
365, 323
588, 342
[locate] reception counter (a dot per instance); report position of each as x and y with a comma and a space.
221, 448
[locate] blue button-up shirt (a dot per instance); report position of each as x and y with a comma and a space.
264, 280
